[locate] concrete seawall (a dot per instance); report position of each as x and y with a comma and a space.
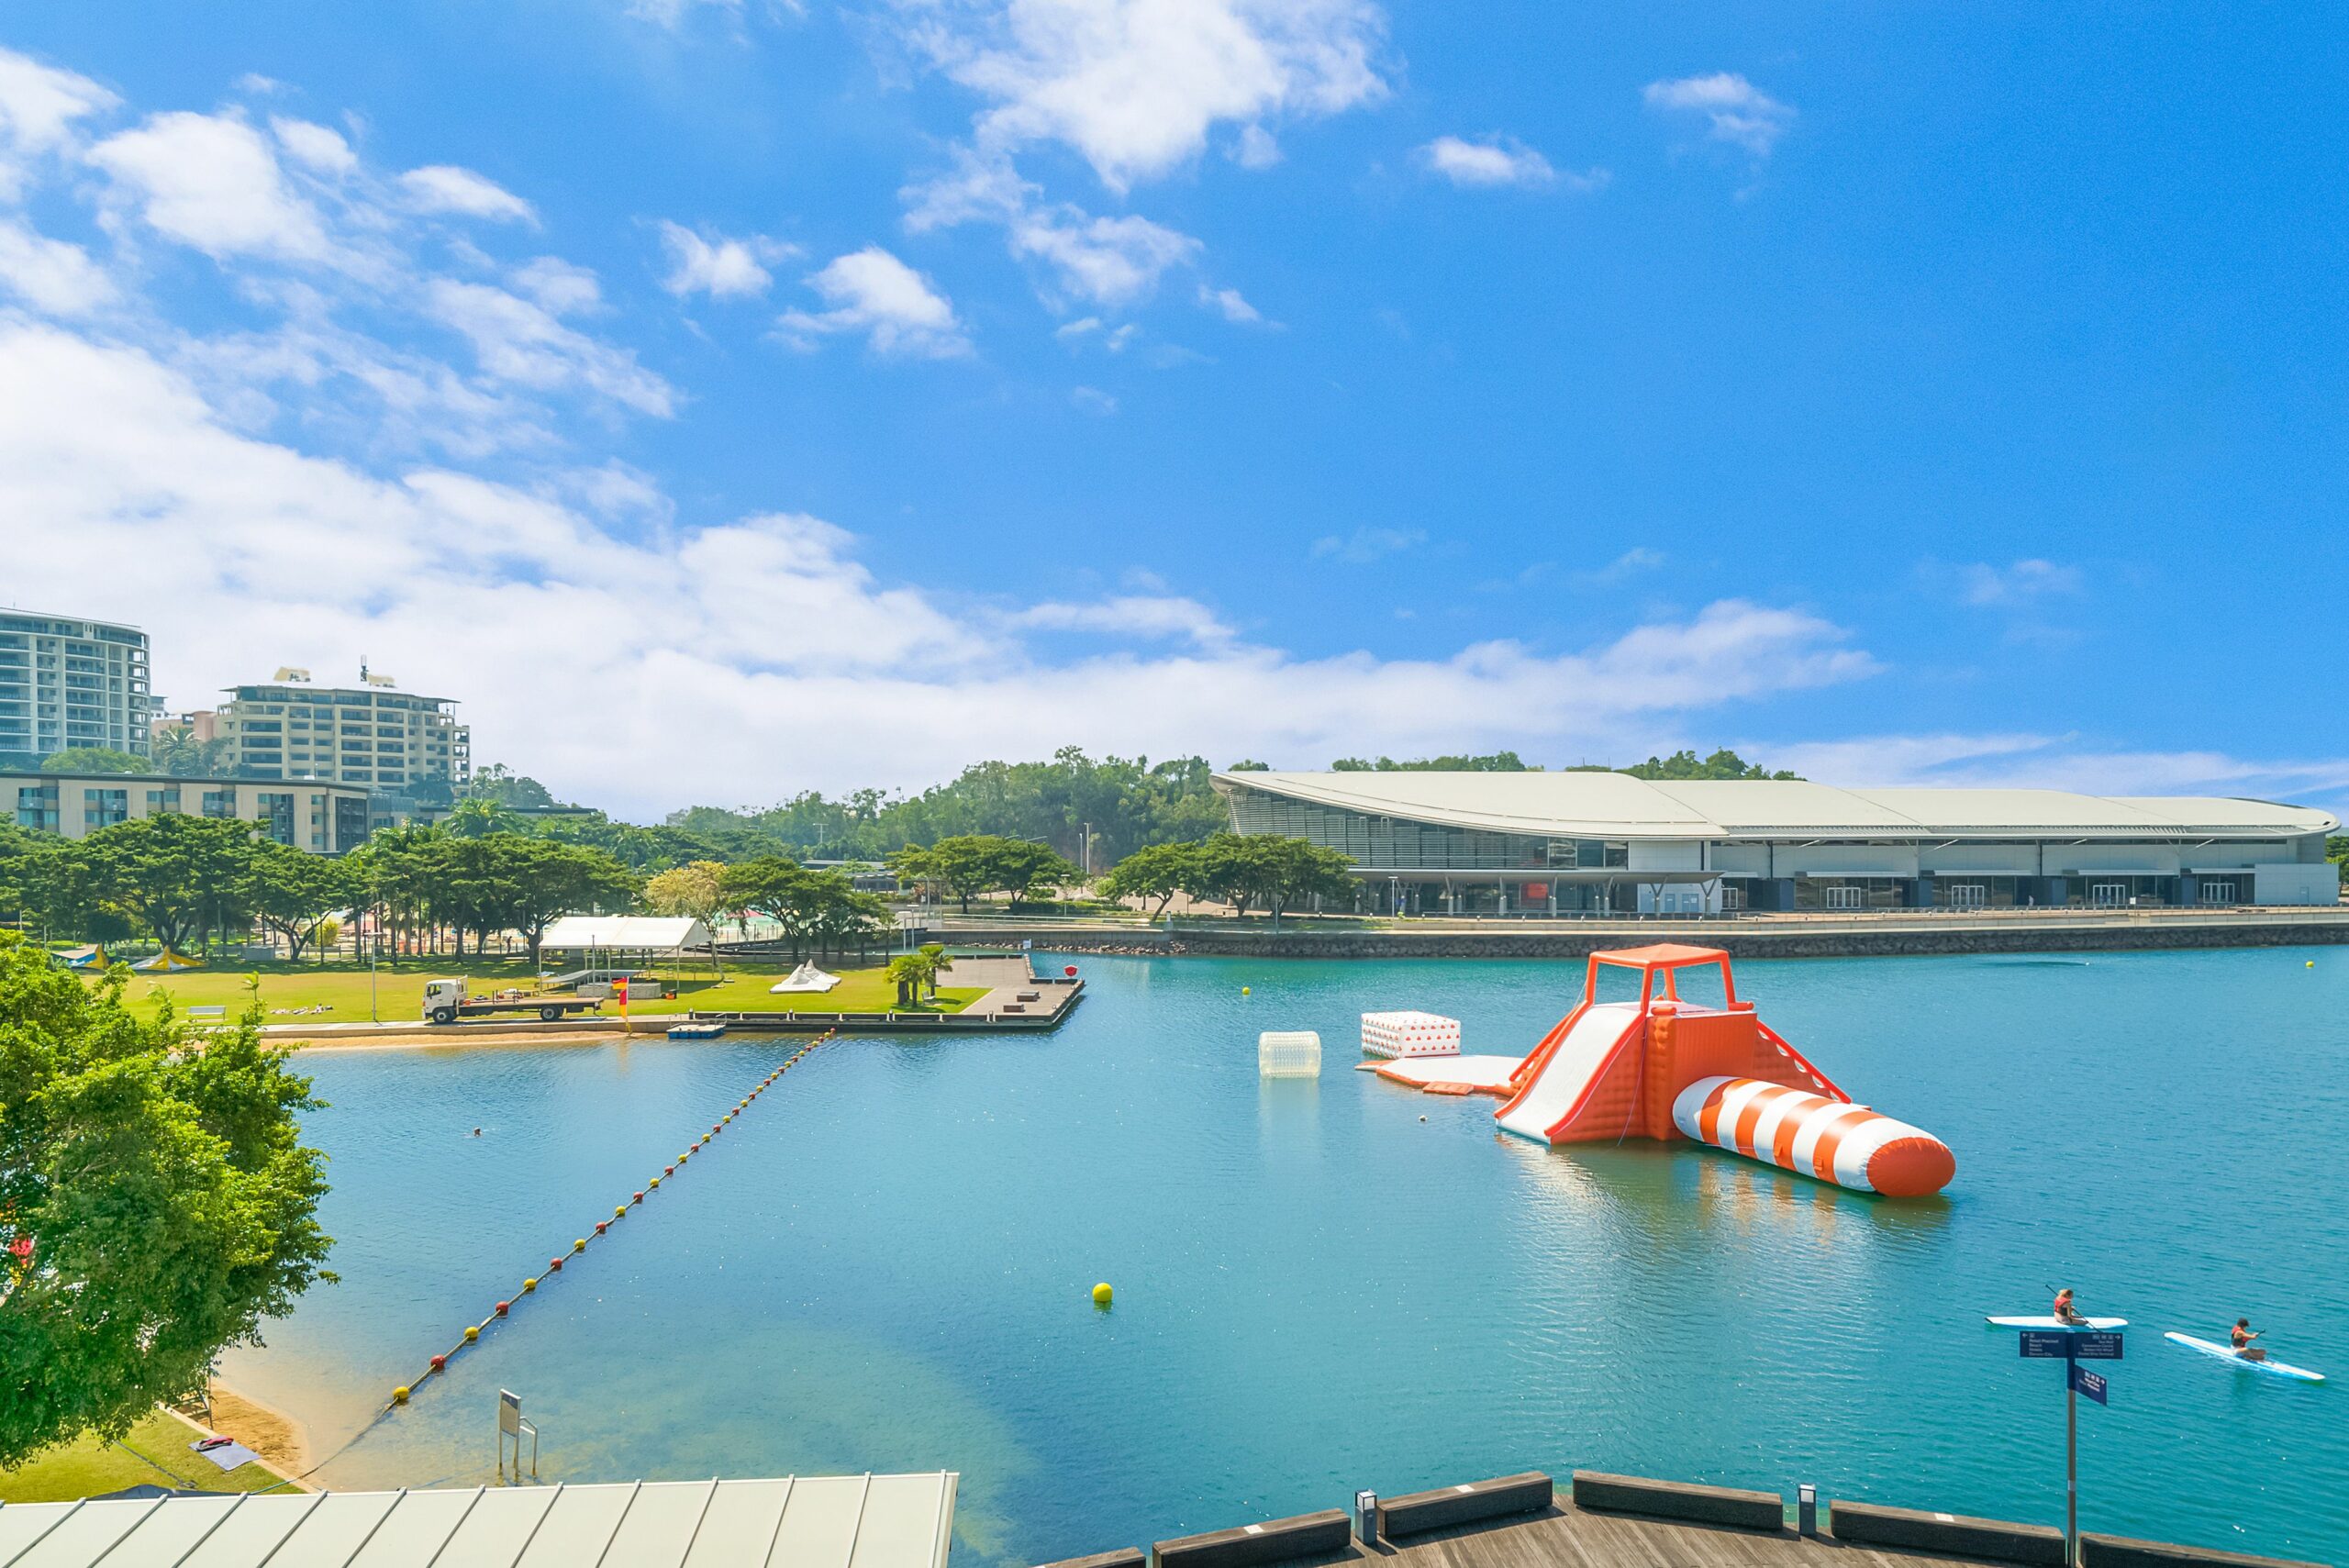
1867, 937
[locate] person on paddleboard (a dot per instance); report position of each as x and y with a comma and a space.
2064, 1311
2241, 1337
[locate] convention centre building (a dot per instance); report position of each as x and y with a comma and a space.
1545, 843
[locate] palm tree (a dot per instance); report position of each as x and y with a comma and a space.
178, 752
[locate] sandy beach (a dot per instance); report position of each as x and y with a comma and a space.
283, 1442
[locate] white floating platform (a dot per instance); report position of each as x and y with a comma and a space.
1409, 1034
1449, 1074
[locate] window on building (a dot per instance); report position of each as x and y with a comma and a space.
220, 802
104, 808
159, 801
274, 811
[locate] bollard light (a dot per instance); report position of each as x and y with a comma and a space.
1366, 1518
1807, 1508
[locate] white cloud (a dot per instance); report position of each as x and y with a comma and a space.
563, 289
445, 188
1630, 563
239, 553
1234, 308
1134, 86
1493, 161
210, 181
38, 107
1256, 148
1146, 616
49, 275
1108, 261
315, 146
673, 13
519, 340
2023, 583
1366, 545
872, 291
1093, 400
718, 266
1734, 109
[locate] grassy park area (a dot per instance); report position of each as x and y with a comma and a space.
153, 1453
290, 993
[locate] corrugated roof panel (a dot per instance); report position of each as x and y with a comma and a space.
418, 1526
577, 1527
2203, 810
88, 1533
819, 1526
740, 1525
659, 1524
21, 1524
169, 1534
333, 1530
901, 1522
1598, 804
497, 1529
1747, 806
253, 1532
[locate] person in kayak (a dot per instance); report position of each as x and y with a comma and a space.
2064, 1311
2241, 1337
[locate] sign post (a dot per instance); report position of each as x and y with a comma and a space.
2075, 1346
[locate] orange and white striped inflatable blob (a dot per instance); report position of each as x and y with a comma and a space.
1814, 1136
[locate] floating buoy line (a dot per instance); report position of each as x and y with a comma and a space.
473, 1331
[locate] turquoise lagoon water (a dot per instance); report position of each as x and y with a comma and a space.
884, 1264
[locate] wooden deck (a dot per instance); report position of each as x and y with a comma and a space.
1566, 1537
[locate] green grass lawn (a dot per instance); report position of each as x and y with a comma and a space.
859, 991
399, 990
155, 1453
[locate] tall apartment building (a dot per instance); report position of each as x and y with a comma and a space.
371, 734
66, 683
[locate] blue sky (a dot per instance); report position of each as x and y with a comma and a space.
723, 399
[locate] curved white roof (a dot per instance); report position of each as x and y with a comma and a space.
1617, 806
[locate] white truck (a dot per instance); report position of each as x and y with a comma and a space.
445, 1002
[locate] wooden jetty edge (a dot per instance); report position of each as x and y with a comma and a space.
1516, 1521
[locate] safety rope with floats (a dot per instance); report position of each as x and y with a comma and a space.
554, 1266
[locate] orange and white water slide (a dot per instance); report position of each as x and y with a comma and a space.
1814, 1136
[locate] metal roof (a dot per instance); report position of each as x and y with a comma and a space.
1617, 806
650, 932
829, 1522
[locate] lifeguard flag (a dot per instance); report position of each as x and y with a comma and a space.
620, 988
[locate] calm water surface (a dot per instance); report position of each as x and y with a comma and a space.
883, 1264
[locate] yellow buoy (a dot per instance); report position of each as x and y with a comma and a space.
655, 1182
580, 1245
620, 1210
529, 1286
1245, 991
399, 1395
1101, 1294
2311, 963
473, 1333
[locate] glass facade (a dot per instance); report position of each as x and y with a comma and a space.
1381, 843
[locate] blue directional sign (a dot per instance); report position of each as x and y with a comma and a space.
2088, 1382
2071, 1344
2096, 1347
2047, 1342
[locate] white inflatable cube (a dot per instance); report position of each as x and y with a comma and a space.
1411, 1034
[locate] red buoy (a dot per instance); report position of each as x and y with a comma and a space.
1070, 971
554, 1266
502, 1306
440, 1363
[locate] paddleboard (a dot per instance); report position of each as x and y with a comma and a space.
2051, 1321
2226, 1354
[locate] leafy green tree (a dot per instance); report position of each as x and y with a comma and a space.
810, 904
178, 752
1686, 764
511, 881
296, 894
93, 760
1159, 871
178, 875
1498, 763
501, 785
1248, 767
478, 816
156, 1203
1254, 870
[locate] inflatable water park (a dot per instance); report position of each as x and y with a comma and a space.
1665, 1068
